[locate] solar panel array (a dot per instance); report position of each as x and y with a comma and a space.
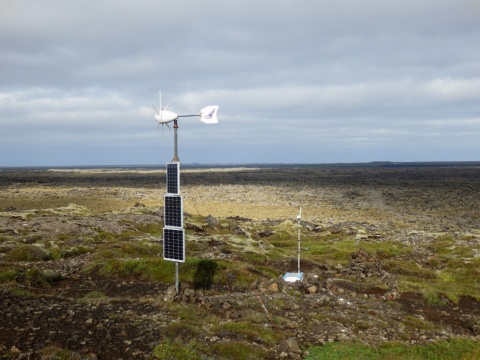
173, 178
174, 244
173, 232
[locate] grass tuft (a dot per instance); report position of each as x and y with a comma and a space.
28, 253
445, 350
236, 350
168, 350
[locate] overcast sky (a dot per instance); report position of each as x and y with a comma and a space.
297, 81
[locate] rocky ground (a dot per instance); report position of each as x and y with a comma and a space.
388, 255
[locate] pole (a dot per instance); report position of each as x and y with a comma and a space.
176, 159
298, 246
175, 142
177, 286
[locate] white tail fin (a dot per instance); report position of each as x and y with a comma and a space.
209, 114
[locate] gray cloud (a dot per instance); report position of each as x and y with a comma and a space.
309, 81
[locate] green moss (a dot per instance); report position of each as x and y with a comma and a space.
176, 350
73, 251
120, 267
28, 253
445, 350
245, 330
151, 228
252, 258
237, 350
282, 235
432, 296
153, 269
189, 313
105, 236
63, 237
282, 244
417, 323
94, 297
20, 292
7, 275
180, 331
31, 278
128, 250
408, 268
53, 352
236, 276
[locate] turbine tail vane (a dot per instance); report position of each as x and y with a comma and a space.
209, 114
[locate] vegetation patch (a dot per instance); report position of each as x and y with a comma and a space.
95, 297
243, 330
53, 352
145, 269
28, 253
445, 350
238, 350
181, 331
128, 250
173, 350
408, 268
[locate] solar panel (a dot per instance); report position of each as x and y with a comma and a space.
173, 178
173, 211
174, 244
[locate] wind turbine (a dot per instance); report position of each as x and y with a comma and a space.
163, 116
176, 240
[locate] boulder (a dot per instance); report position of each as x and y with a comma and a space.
51, 276
170, 293
211, 221
268, 287
289, 345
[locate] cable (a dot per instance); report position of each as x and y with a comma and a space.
193, 191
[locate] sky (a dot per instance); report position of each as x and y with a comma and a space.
296, 81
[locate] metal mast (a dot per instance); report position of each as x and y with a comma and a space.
299, 218
175, 142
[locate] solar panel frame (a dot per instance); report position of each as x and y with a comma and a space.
174, 244
173, 178
173, 211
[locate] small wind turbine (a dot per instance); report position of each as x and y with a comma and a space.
208, 115
163, 116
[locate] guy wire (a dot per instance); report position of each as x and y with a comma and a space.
185, 176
